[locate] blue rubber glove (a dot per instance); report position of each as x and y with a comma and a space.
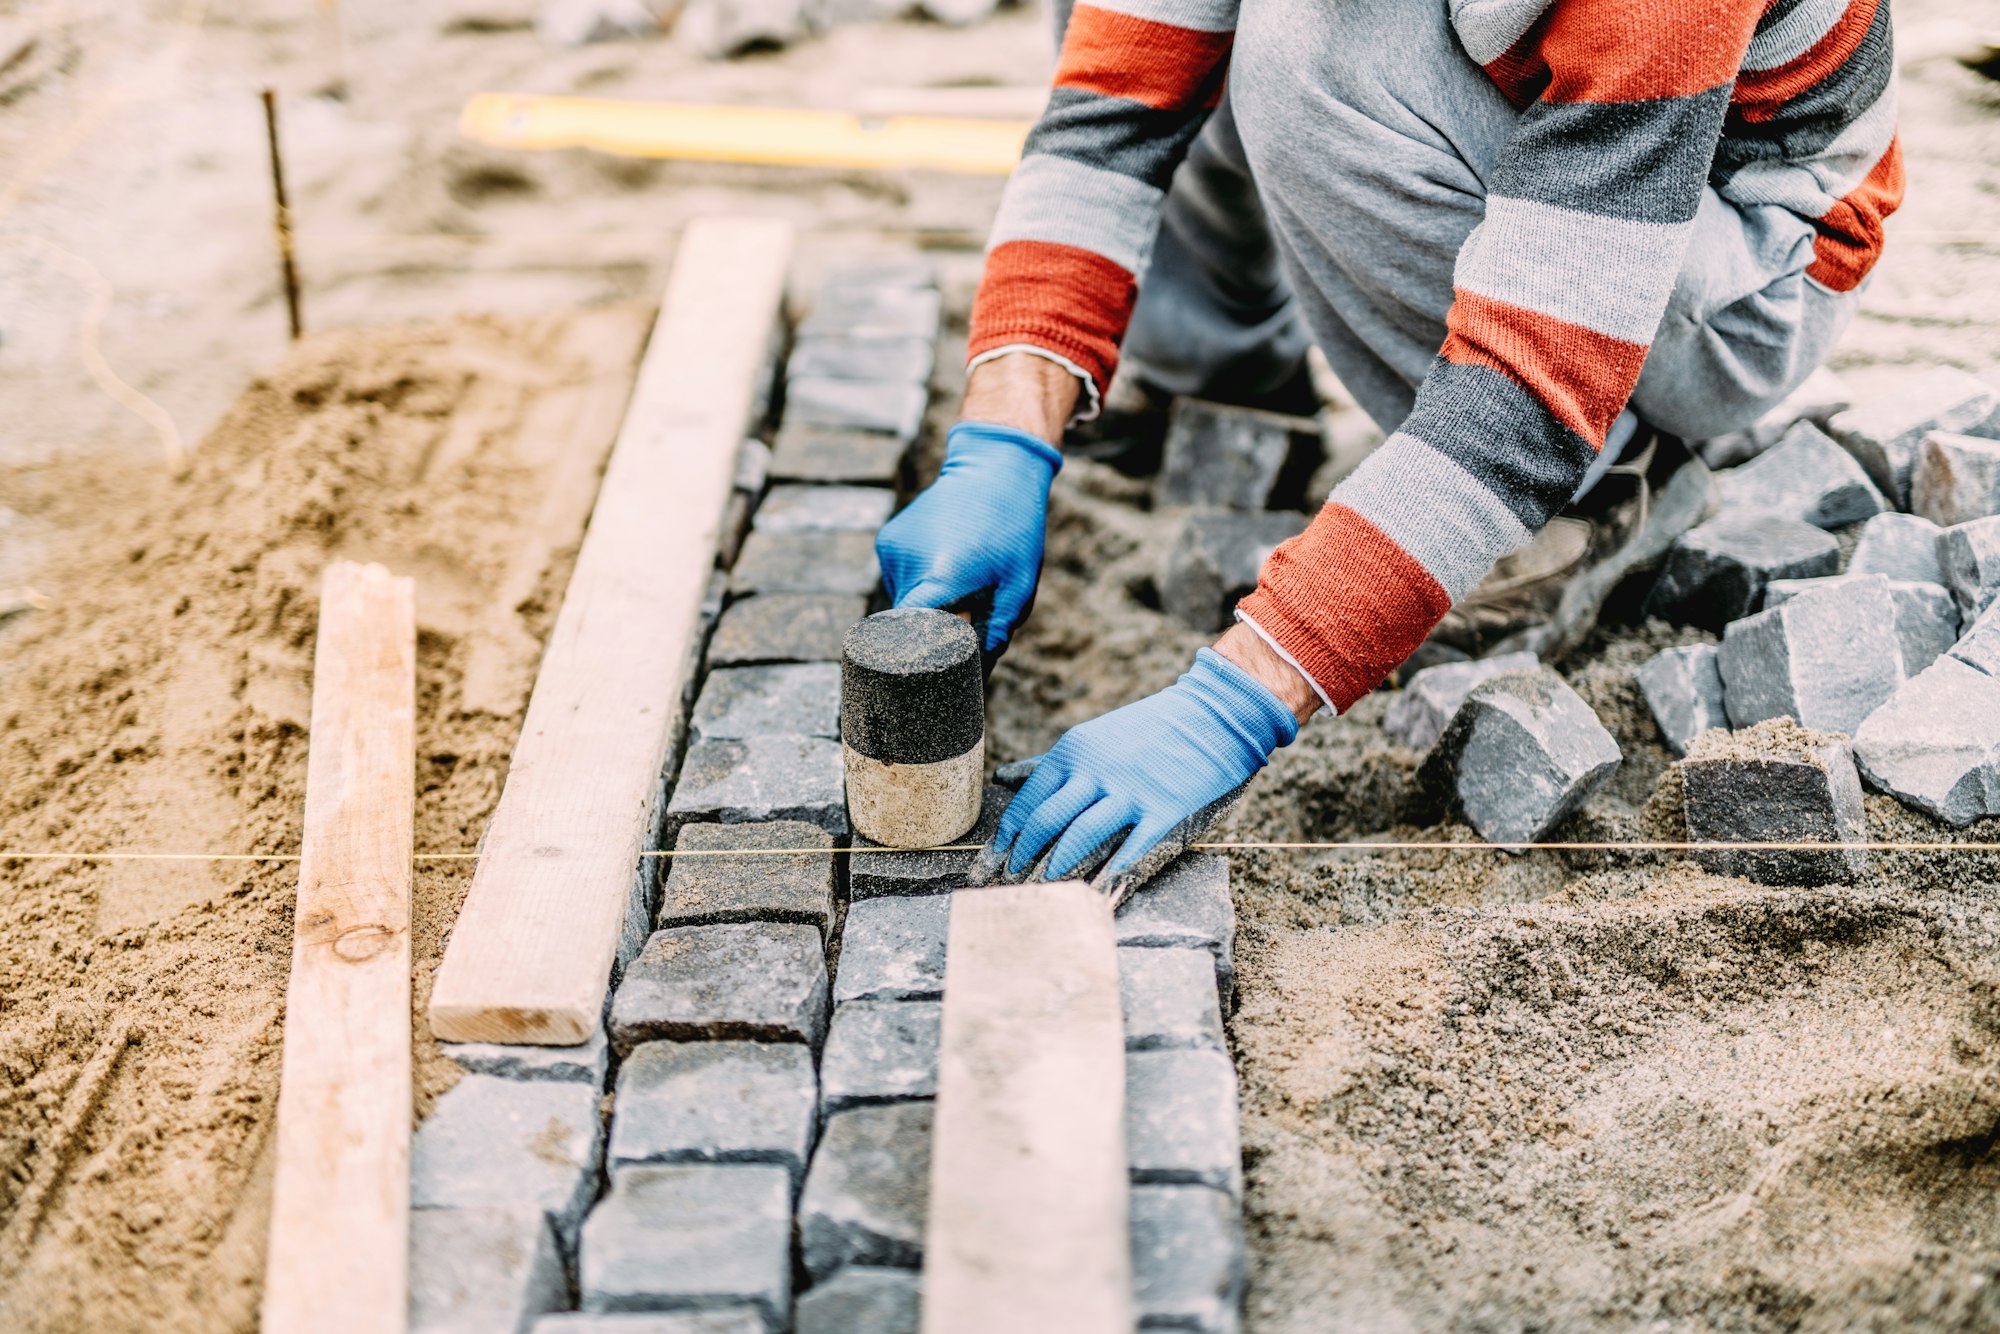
1148, 767
978, 528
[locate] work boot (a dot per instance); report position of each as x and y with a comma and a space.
1130, 430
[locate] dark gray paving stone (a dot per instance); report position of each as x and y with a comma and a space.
1776, 785
800, 507
1969, 560
876, 874
779, 699
1169, 998
1213, 560
893, 357
1806, 477
715, 1102
704, 887
757, 981
1926, 615
685, 1237
1828, 657
868, 1190
761, 778
1716, 572
1817, 399
584, 1063
1683, 688
887, 1051
893, 949
477, 1270
816, 454
1901, 546
1236, 458
510, 1143
1187, 1259
1522, 753
1884, 432
1957, 478
1186, 906
1936, 744
1420, 711
806, 563
742, 1320
874, 310
894, 408
1181, 1119
784, 627
863, 1300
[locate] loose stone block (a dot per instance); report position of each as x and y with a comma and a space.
742, 1320
1717, 571
784, 627
1776, 783
894, 408
584, 1063
753, 467
761, 778
1969, 559
1213, 561
799, 507
862, 1300
1901, 546
874, 874
1522, 753
1817, 399
874, 310
816, 454
1236, 458
913, 726
758, 981
1169, 999
1826, 658
705, 888
1957, 478
1926, 616
1884, 433
1683, 688
806, 563
1186, 906
1417, 716
1180, 1119
893, 949
509, 1143
1936, 744
713, 29
689, 1237
1806, 477
1980, 645
476, 1270
715, 1102
782, 699
894, 357
887, 1051
868, 1190
1187, 1259
1014, 773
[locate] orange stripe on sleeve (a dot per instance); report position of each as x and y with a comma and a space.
1165, 67
1760, 94
1060, 297
1635, 50
1581, 376
1850, 234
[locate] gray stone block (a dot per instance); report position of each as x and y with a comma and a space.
816, 454
894, 408
874, 272
761, 778
1957, 478
1884, 433
1926, 616
1213, 560
1827, 658
1181, 1121
584, 1063
1936, 744
862, 1300
1236, 458
1522, 753
802, 507
780, 699
1014, 773
1169, 999
1902, 546
1806, 477
1683, 688
1186, 906
1980, 645
1817, 399
868, 1190
1969, 560
1187, 1259
753, 466
713, 29
690, 1237
1420, 711
1776, 784
510, 1143
715, 1102
887, 1051
784, 627
757, 981
704, 887
873, 874
741, 1320
806, 563
874, 310
483, 1270
893, 357
1717, 571
893, 949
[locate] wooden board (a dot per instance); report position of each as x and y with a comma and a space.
1029, 1198
339, 1255
530, 957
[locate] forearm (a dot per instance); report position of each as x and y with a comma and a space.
1022, 390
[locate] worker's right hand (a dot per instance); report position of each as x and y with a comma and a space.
979, 528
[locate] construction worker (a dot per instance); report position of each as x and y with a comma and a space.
1517, 229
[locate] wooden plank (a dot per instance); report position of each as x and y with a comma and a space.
530, 957
339, 1256
1029, 1197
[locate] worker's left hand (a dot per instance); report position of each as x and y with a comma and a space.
1147, 768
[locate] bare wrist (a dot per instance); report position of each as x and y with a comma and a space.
1022, 390
1247, 649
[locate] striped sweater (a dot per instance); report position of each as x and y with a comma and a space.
1628, 109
